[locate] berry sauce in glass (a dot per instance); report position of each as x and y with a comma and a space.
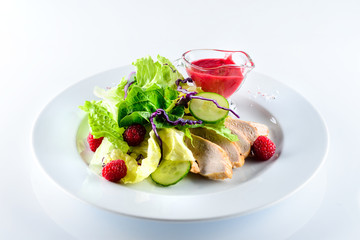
219, 75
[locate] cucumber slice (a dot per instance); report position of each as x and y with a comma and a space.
170, 172
207, 111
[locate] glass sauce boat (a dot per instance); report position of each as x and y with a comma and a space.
218, 71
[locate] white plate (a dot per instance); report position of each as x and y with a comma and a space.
295, 126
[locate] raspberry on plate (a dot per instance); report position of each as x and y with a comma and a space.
94, 143
134, 134
114, 171
263, 148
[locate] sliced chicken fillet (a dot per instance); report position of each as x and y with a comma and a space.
194, 167
262, 129
231, 148
212, 160
243, 143
251, 130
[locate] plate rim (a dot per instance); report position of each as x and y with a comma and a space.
289, 194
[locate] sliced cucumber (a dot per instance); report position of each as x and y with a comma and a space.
170, 172
207, 111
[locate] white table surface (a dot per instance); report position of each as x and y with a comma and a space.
311, 46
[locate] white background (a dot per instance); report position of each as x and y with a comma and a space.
46, 46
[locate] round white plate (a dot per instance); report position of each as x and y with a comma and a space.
295, 126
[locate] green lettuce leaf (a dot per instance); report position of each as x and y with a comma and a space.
145, 70
102, 124
188, 134
136, 173
112, 97
141, 102
220, 129
96, 163
162, 73
174, 147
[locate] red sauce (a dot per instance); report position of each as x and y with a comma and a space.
215, 75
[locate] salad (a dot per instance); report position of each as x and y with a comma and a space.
144, 126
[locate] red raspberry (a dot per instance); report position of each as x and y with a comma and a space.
134, 134
94, 143
263, 148
114, 170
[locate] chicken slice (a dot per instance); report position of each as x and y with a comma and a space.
212, 160
194, 167
231, 148
243, 143
251, 130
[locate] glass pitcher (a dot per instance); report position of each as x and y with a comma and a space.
218, 71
